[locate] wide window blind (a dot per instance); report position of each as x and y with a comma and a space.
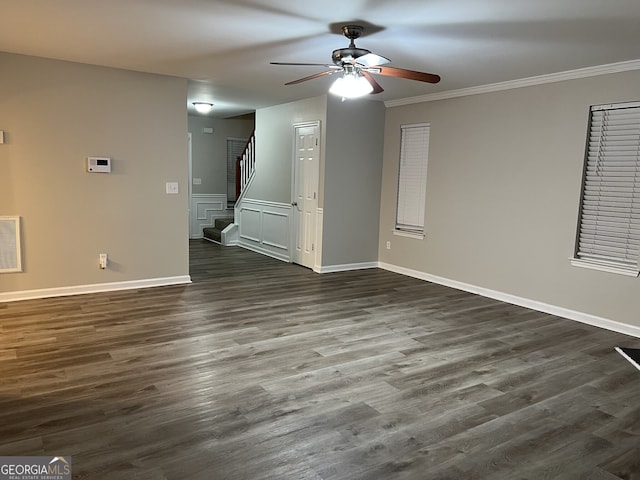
609, 223
412, 178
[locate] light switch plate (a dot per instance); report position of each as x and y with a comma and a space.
197, 181
1, 137
172, 188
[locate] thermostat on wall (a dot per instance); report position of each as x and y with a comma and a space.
98, 164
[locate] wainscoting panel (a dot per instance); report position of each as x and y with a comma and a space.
265, 228
204, 209
250, 224
275, 229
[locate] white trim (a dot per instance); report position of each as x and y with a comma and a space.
230, 236
275, 245
265, 221
520, 301
409, 234
267, 203
317, 267
347, 267
95, 288
244, 236
603, 267
521, 82
190, 184
269, 253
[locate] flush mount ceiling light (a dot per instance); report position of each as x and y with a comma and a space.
203, 107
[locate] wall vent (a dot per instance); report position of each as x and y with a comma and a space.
10, 257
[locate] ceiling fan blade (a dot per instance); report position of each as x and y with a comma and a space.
371, 60
327, 65
408, 74
376, 86
311, 77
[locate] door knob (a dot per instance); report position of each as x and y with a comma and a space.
294, 204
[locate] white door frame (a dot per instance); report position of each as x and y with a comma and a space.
315, 180
190, 182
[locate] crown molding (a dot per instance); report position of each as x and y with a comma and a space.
522, 82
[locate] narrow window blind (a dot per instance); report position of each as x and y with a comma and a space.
412, 177
609, 222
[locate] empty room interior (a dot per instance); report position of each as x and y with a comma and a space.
259, 239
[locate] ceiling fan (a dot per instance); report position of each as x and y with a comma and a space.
357, 65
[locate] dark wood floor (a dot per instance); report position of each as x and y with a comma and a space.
265, 370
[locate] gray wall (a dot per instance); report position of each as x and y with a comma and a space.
274, 146
209, 151
54, 115
503, 190
352, 177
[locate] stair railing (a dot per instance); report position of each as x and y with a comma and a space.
245, 165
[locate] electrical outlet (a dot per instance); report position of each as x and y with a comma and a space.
388, 245
103, 261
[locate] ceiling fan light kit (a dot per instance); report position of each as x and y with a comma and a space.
351, 85
357, 66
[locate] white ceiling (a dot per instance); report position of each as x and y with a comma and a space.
225, 46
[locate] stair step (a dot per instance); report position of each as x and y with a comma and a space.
211, 233
215, 233
222, 223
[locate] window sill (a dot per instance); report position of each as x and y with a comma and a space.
605, 267
405, 233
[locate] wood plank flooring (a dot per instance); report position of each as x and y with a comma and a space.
266, 370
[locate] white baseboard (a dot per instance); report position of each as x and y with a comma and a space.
520, 301
269, 253
95, 288
346, 267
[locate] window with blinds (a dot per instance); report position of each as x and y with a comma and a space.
608, 236
412, 178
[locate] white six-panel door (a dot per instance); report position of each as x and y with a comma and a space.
305, 192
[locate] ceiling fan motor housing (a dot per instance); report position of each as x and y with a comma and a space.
347, 55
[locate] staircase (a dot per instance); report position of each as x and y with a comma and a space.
246, 166
214, 234
224, 230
